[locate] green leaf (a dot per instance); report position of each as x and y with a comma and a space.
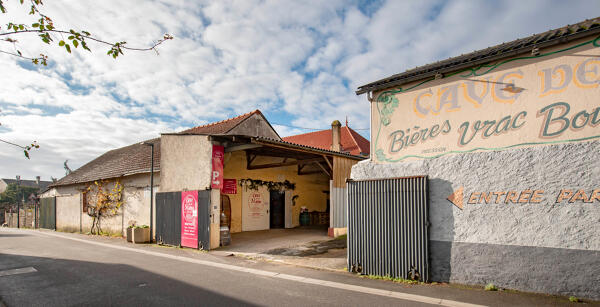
21, 27
35, 25
68, 48
61, 43
86, 33
26, 154
75, 43
49, 27
71, 37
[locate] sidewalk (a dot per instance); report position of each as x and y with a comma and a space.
443, 292
323, 253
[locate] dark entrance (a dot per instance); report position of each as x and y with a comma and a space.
277, 209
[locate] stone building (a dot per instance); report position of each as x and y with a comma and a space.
509, 138
252, 154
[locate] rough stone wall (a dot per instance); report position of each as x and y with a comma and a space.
185, 162
136, 207
543, 247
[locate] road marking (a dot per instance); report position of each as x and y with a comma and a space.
300, 279
17, 271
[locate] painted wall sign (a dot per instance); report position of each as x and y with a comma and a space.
528, 196
229, 186
189, 219
518, 102
218, 153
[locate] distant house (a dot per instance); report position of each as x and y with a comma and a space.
345, 139
41, 185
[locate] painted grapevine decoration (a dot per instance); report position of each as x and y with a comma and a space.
254, 184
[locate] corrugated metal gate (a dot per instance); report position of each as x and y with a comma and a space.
168, 218
48, 213
388, 228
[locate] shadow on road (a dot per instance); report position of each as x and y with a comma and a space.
61, 282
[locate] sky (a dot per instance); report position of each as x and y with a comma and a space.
299, 62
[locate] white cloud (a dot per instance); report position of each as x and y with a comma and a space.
303, 59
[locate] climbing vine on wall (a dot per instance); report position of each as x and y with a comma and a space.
103, 202
254, 184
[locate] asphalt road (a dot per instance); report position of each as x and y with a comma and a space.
75, 273
52, 269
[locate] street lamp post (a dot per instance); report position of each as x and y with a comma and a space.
151, 183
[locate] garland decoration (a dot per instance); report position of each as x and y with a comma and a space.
253, 184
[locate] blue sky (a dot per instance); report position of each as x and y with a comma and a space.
297, 61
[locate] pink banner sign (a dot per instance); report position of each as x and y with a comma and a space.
229, 186
189, 219
218, 153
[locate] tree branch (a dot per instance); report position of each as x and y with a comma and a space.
165, 38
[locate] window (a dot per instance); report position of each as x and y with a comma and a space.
84, 202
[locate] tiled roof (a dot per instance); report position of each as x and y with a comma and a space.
505, 50
135, 159
310, 149
221, 127
351, 141
129, 160
28, 183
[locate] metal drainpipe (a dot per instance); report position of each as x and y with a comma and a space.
151, 190
370, 99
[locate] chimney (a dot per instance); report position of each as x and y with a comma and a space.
37, 180
336, 135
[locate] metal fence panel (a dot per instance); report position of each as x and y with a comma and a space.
204, 219
168, 218
338, 200
388, 227
48, 213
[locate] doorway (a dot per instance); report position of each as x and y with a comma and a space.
277, 209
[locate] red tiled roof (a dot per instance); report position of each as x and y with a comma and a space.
221, 127
351, 141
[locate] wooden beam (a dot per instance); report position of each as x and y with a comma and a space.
328, 163
324, 169
249, 159
300, 167
241, 147
280, 164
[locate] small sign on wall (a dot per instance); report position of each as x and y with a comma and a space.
189, 219
218, 153
229, 186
